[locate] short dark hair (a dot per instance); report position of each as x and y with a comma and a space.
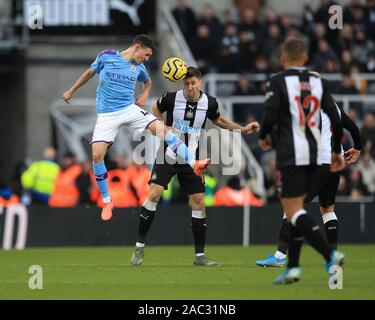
294, 49
145, 41
193, 72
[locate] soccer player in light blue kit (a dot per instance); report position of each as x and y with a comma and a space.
119, 71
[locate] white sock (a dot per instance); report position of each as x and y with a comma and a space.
328, 217
280, 255
139, 245
199, 254
107, 199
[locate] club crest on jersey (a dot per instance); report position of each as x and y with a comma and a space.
190, 112
133, 68
154, 176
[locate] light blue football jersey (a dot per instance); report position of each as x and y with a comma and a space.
117, 80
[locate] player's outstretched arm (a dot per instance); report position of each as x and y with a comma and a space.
142, 98
230, 125
84, 78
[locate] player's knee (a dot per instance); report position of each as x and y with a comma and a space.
97, 157
197, 202
154, 196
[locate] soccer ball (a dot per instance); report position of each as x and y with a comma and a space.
174, 69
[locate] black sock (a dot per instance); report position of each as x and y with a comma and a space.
307, 227
145, 220
295, 245
199, 227
332, 230
284, 237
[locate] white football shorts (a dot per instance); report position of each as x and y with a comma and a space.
108, 124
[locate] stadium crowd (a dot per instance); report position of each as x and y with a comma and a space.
237, 43
246, 44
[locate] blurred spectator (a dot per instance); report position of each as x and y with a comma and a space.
366, 165
356, 194
210, 184
39, 179
228, 62
331, 66
271, 18
308, 21
247, 50
84, 183
271, 45
361, 47
345, 40
342, 189
355, 181
204, 49
231, 40
347, 86
234, 195
370, 10
270, 178
120, 188
229, 18
346, 61
249, 22
318, 34
186, 20
349, 11
370, 66
139, 177
261, 65
65, 192
368, 132
210, 20
353, 115
243, 88
324, 52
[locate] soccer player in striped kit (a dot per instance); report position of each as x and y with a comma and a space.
294, 98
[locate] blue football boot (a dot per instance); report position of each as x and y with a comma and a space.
271, 261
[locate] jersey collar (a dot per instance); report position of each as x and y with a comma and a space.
187, 99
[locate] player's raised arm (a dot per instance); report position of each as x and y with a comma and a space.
84, 78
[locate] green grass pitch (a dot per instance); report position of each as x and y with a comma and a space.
168, 273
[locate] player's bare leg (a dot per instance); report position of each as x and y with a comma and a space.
99, 150
199, 226
158, 129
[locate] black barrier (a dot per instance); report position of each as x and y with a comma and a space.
82, 226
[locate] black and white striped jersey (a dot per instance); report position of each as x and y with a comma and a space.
188, 117
293, 102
